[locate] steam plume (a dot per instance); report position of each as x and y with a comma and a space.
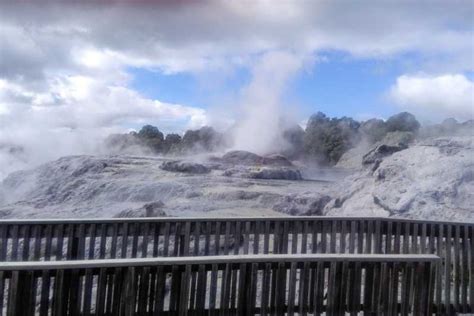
259, 129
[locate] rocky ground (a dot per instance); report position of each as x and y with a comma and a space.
431, 178
124, 186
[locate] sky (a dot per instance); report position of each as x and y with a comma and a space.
73, 73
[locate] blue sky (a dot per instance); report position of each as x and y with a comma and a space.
337, 84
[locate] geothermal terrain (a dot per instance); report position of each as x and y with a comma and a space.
431, 178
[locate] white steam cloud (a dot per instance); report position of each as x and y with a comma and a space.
259, 128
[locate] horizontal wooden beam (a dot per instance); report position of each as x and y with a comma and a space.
114, 263
214, 219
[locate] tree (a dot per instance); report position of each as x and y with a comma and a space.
151, 137
404, 122
205, 138
150, 132
327, 139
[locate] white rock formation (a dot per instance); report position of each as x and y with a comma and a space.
100, 186
432, 179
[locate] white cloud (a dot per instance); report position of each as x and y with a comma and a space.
74, 115
434, 97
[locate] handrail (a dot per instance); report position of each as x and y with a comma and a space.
162, 261
215, 219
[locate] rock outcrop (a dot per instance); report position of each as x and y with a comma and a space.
266, 173
246, 158
184, 167
276, 174
432, 179
302, 205
153, 209
391, 143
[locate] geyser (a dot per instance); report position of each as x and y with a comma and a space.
259, 128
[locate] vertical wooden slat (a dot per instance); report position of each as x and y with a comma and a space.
14, 242
471, 267
284, 238
292, 289
166, 239
243, 287
352, 237
145, 240
213, 287
2, 287
456, 266
48, 236
124, 240
342, 248
252, 294
414, 238
103, 241
319, 284
378, 236
369, 236
114, 241
45, 285
304, 240
295, 230
184, 300
201, 290
266, 238
175, 291
423, 238
3, 241
225, 289
228, 225
59, 241
314, 235
237, 237
440, 251
303, 301
156, 238
136, 229
246, 238
266, 289
258, 229
447, 270
37, 242
26, 242
360, 236
464, 271
368, 288
343, 284
160, 291
217, 239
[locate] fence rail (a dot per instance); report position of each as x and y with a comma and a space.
309, 284
24, 240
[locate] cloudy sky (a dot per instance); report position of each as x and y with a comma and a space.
89, 70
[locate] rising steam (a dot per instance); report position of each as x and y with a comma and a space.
259, 128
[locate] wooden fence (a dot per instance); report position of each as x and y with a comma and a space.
309, 284
23, 240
